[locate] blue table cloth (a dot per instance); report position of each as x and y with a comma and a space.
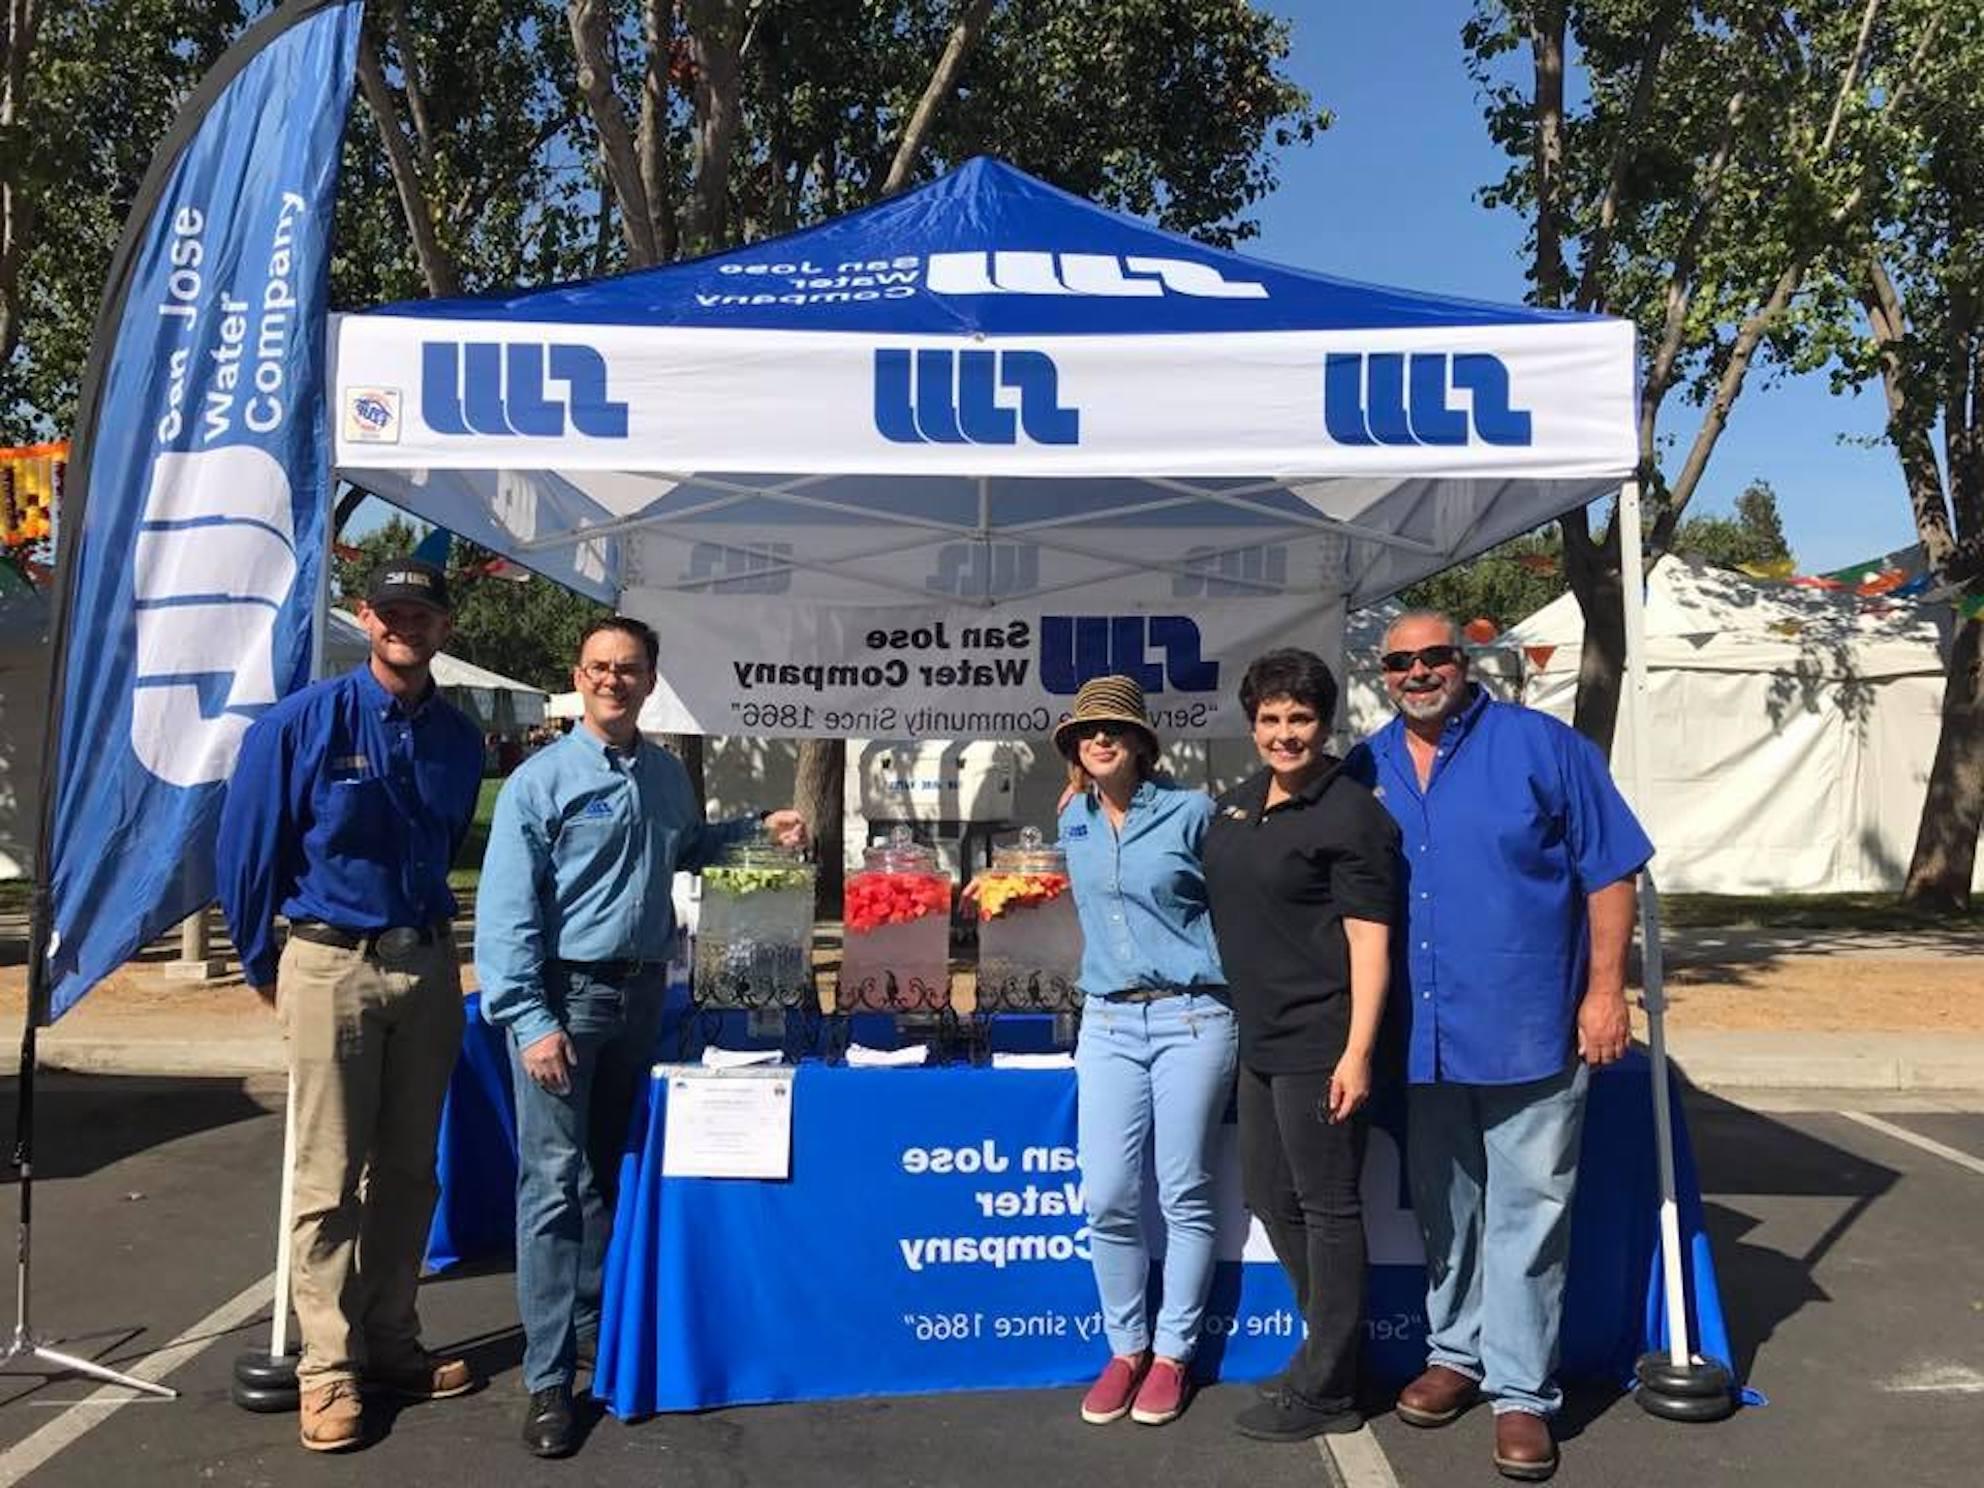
931, 1237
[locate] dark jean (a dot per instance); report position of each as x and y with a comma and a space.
568, 1160
1300, 1174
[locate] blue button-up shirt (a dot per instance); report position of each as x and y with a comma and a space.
345, 806
1141, 893
582, 855
1518, 823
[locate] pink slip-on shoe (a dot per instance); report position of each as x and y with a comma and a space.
1162, 1395
1109, 1398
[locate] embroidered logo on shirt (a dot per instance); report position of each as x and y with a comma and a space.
597, 806
1077, 830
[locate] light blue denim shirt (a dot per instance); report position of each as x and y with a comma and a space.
1141, 893
582, 855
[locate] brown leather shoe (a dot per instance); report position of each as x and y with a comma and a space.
1437, 1397
330, 1417
1523, 1447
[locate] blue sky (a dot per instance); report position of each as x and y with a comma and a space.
1387, 194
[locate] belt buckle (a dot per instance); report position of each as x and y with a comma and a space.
397, 944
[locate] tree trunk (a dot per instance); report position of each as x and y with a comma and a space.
964, 36
1593, 571
1953, 811
818, 792
688, 748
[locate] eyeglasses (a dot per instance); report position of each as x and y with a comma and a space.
1427, 656
602, 671
1106, 733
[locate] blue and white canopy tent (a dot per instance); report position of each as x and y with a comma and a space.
928, 466
980, 403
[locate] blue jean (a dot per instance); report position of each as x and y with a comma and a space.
1493, 1169
568, 1160
1157, 1076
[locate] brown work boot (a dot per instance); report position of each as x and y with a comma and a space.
424, 1377
1523, 1447
330, 1416
1437, 1397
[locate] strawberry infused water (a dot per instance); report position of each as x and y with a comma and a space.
897, 917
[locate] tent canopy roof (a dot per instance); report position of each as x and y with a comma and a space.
987, 360
1063, 266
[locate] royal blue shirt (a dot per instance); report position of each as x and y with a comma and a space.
1518, 823
1141, 893
346, 806
582, 857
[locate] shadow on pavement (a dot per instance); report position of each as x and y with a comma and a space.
1740, 1152
86, 1122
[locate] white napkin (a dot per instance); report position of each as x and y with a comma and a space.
909, 1054
1033, 1061
715, 1058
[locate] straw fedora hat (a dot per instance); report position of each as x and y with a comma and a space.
1105, 700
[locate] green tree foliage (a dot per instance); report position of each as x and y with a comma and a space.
1519, 577
91, 86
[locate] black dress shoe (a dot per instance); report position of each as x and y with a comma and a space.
1290, 1418
550, 1430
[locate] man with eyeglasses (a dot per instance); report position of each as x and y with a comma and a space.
347, 805
1520, 858
573, 927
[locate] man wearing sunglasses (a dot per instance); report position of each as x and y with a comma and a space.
1520, 857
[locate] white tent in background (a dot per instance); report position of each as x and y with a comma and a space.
1796, 728
497, 703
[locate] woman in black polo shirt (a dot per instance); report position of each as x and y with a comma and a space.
1302, 873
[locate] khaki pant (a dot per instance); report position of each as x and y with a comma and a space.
371, 1049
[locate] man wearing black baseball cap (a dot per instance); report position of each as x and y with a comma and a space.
348, 803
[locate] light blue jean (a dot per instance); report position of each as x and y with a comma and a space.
1153, 1076
1493, 1169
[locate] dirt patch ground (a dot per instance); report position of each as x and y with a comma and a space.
1815, 992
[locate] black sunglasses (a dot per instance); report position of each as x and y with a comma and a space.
1427, 656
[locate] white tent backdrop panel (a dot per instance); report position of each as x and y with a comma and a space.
1796, 729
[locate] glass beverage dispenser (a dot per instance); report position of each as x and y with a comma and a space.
1029, 940
895, 957
754, 943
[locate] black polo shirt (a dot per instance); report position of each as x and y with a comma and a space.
1280, 883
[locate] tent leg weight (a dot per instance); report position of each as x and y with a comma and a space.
264, 1383
1701, 1390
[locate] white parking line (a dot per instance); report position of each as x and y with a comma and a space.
1916, 1139
1358, 1459
36, 1448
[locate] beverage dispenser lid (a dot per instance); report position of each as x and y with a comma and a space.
902, 853
1031, 854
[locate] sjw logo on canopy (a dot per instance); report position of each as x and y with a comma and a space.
952, 397
1131, 276
497, 388
1074, 648
1393, 398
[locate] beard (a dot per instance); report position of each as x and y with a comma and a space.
1428, 704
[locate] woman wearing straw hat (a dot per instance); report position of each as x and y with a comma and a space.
1155, 1060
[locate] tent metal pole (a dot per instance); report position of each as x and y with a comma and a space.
1632, 574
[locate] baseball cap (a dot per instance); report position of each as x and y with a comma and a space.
400, 580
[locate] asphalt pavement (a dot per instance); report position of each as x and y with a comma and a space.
1848, 1258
